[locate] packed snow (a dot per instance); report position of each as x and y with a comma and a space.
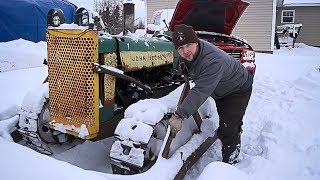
287, 2
26, 58
280, 138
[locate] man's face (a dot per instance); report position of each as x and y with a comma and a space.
188, 51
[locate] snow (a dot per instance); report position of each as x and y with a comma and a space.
32, 105
113, 69
135, 155
16, 84
82, 130
25, 57
281, 127
69, 26
224, 171
8, 126
24, 163
280, 133
128, 2
301, 2
280, 138
149, 111
134, 130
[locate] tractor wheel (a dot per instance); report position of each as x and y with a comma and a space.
45, 133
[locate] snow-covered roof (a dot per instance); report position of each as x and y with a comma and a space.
301, 2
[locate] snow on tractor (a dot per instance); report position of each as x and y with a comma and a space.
93, 77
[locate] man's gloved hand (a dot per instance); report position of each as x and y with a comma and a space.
176, 123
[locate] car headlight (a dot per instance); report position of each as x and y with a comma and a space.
55, 17
249, 55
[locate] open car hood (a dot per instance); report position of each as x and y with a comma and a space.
218, 16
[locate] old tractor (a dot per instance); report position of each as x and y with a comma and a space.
93, 77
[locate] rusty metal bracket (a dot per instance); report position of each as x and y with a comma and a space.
195, 156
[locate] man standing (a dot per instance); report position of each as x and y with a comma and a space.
215, 74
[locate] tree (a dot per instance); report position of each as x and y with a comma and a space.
117, 21
111, 14
105, 15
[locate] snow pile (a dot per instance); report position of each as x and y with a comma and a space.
16, 84
69, 26
9, 112
24, 163
149, 111
224, 171
280, 133
131, 129
19, 54
8, 126
32, 106
289, 2
82, 130
135, 156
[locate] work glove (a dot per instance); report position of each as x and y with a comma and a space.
176, 123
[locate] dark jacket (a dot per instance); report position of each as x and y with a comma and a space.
215, 74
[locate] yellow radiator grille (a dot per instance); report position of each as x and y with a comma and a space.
73, 86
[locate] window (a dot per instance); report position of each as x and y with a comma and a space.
287, 16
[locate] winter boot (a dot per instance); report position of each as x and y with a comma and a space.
230, 154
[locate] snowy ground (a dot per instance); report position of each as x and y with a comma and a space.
281, 126
280, 140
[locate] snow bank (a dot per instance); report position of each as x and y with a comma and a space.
280, 138
8, 126
20, 54
220, 170
23, 163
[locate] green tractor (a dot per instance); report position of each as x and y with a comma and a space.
93, 77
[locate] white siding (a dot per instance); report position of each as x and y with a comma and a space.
153, 5
255, 25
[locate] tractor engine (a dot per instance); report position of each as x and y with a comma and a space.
158, 79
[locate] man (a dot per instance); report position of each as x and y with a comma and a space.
220, 76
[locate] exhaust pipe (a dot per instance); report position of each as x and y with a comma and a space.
128, 16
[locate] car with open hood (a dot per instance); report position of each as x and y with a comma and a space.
214, 21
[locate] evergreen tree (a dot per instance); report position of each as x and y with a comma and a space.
105, 15
111, 14
117, 21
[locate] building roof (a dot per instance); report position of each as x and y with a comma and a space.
301, 2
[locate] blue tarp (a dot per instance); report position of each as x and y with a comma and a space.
27, 19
